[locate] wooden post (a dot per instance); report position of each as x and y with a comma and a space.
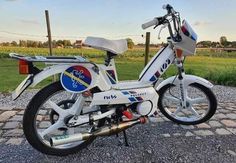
49, 39
49, 32
147, 44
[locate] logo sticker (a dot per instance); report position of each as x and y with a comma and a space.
76, 78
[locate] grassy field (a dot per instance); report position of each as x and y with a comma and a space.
214, 67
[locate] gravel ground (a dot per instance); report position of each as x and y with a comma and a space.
153, 149
223, 93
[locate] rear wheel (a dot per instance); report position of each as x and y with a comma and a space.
201, 104
41, 121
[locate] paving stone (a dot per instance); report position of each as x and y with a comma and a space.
231, 115
225, 111
13, 133
177, 134
1, 124
44, 124
39, 118
187, 126
220, 116
203, 125
215, 124
16, 118
2, 140
42, 112
232, 130
11, 125
232, 153
229, 123
6, 115
14, 141
222, 131
189, 134
166, 135
203, 132
21, 112
5, 108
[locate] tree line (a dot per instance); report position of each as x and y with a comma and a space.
223, 43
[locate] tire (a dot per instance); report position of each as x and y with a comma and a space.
212, 101
29, 121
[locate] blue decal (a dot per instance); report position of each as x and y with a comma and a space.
76, 79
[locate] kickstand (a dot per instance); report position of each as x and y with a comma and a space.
126, 140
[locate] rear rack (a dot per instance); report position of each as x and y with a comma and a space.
52, 59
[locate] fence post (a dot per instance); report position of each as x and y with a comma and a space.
49, 39
147, 44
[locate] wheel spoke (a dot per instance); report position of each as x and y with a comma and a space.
171, 98
177, 111
52, 128
56, 108
193, 111
198, 100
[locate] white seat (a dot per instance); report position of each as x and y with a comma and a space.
131, 85
113, 46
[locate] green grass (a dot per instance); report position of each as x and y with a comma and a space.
218, 70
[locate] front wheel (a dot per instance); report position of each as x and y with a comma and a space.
201, 104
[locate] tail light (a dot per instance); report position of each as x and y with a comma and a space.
24, 67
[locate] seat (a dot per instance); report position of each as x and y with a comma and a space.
131, 85
113, 46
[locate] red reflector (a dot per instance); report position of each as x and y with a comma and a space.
23, 67
128, 114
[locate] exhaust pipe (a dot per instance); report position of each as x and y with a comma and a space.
105, 131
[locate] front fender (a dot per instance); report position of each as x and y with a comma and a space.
187, 80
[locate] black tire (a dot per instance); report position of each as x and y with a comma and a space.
29, 123
210, 95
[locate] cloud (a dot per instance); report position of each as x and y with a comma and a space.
10, 0
201, 23
25, 21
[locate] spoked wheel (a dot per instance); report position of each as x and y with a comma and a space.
200, 106
47, 116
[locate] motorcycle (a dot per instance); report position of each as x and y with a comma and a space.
88, 101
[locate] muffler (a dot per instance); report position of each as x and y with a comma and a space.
105, 131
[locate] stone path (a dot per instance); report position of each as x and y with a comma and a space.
222, 123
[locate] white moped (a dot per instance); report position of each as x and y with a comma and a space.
88, 101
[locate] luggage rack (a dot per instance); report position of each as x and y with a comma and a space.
51, 59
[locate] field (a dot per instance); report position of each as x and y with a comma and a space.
218, 67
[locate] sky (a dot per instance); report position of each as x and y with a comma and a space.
112, 19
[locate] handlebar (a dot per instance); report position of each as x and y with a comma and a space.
150, 23
164, 20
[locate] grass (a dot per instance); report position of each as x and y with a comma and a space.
218, 67
218, 70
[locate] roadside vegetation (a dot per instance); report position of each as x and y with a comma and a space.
216, 66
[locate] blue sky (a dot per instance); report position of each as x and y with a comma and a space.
113, 19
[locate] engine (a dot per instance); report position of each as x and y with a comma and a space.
144, 108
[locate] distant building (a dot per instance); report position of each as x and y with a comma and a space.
78, 44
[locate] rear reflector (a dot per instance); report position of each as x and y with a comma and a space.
23, 67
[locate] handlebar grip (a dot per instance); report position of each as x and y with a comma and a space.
150, 23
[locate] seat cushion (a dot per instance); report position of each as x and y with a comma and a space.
113, 46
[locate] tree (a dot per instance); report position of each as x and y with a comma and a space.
223, 41
14, 43
130, 43
22, 43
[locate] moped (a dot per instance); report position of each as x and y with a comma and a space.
88, 100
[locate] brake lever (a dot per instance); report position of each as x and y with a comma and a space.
155, 27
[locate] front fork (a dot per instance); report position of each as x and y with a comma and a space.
182, 86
